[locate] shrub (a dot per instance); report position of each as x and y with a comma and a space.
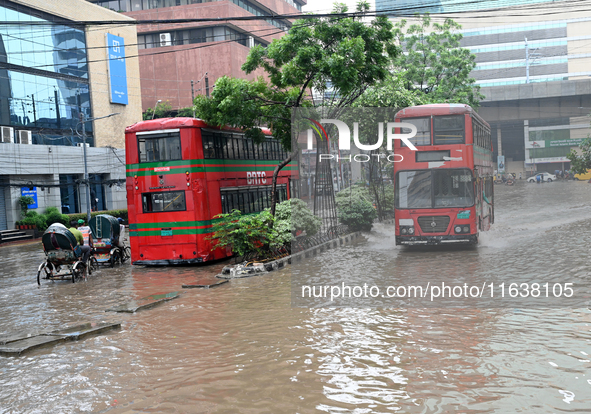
53, 215
298, 216
356, 212
247, 234
32, 218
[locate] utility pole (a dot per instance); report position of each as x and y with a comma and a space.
82, 121
34, 110
86, 180
193, 98
57, 109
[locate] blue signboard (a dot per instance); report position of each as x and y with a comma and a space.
117, 69
31, 193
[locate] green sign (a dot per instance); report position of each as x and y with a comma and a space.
166, 232
564, 142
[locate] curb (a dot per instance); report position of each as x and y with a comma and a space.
284, 261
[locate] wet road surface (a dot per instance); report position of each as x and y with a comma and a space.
242, 347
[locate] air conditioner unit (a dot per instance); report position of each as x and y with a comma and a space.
165, 39
80, 144
8, 134
250, 42
25, 137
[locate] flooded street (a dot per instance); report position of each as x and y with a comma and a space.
242, 347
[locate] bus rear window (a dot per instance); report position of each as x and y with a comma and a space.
159, 147
448, 130
166, 201
423, 136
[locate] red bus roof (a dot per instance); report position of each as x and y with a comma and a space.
439, 109
181, 122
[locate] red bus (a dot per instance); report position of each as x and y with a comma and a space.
181, 173
444, 190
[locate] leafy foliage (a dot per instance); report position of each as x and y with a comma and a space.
185, 112
161, 110
434, 62
52, 215
32, 218
248, 233
580, 162
24, 203
356, 211
344, 54
391, 93
253, 233
297, 217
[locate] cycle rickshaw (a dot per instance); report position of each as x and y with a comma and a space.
63, 257
106, 234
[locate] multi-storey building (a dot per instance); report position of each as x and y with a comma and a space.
180, 60
534, 65
59, 89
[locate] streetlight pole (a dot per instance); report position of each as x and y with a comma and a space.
86, 180
156, 106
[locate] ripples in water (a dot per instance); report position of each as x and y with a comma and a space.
241, 347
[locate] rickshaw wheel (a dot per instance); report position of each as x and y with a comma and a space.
116, 257
126, 254
92, 265
43, 269
77, 272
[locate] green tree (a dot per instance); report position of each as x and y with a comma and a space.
435, 64
433, 69
346, 55
580, 163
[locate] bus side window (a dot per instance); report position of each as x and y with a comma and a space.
208, 145
227, 147
218, 143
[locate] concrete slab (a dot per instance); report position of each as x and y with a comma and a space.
77, 332
206, 283
144, 303
6, 339
19, 347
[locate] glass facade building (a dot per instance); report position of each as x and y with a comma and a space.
44, 84
397, 8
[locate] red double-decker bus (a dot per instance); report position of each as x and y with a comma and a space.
181, 173
444, 189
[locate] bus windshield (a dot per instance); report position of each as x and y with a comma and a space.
434, 188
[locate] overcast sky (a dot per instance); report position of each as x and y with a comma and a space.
327, 5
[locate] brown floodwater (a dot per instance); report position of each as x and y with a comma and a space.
242, 347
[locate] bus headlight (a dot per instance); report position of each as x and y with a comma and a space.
458, 229
403, 230
411, 230
466, 229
